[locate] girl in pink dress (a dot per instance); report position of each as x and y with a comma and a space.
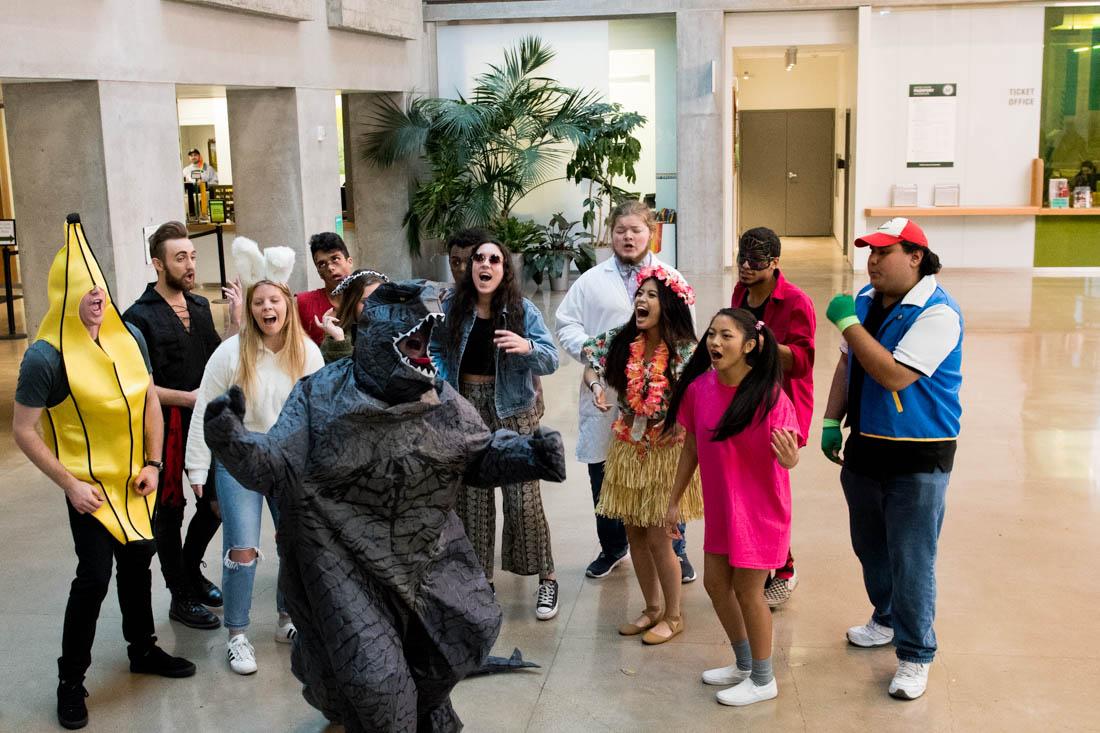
742, 433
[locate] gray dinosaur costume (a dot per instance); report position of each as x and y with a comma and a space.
365, 461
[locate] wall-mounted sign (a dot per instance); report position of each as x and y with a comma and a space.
933, 123
7, 232
1021, 97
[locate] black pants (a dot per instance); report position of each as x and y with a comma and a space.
95, 549
179, 563
611, 532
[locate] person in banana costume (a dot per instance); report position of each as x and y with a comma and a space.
101, 444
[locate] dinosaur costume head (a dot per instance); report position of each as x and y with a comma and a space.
97, 432
391, 357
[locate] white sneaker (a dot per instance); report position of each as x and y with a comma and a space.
910, 680
286, 632
726, 676
242, 657
748, 692
870, 635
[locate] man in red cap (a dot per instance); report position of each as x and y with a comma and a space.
898, 383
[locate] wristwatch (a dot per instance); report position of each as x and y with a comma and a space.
159, 465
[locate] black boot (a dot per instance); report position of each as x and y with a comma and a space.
72, 712
193, 614
155, 660
205, 592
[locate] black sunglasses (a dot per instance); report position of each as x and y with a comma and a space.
493, 259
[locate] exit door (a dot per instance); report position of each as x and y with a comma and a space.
787, 163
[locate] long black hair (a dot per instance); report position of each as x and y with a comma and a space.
759, 390
506, 296
674, 325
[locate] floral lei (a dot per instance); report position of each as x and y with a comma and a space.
645, 400
677, 284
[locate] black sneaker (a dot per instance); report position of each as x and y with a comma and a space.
72, 712
192, 613
603, 565
205, 592
157, 661
546, 600
687, 572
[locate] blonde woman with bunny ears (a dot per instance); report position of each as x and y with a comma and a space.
265, 359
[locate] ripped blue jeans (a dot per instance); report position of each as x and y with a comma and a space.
242, 511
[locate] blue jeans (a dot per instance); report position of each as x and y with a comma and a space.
611, 532
242, 511
895, 524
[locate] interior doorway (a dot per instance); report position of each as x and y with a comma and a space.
787, 169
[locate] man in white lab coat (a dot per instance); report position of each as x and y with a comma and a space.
600, 299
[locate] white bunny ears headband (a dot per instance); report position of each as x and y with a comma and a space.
274, 263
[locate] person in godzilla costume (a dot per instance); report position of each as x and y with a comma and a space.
365, 462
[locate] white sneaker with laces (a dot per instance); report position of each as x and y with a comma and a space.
748, 692
870, 635
242, 657
286, 632
910, 680
726, 676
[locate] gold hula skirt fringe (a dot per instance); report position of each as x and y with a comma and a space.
636, 489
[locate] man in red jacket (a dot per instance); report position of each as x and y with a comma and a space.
789, 313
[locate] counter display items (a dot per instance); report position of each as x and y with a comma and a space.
365, 462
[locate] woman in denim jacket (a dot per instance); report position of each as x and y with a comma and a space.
491, 346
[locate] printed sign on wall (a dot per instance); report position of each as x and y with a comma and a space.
933, 123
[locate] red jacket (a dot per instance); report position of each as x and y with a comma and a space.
313, 303
789, 313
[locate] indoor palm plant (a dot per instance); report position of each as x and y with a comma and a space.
516, 132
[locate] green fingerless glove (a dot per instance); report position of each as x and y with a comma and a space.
831, 439
842, 311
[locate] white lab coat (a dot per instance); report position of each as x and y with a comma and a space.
596, 302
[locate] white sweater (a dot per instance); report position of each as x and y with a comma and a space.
273, 386
595, 303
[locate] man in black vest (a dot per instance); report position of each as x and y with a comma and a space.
179, 330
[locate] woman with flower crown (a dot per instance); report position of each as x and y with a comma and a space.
641, 361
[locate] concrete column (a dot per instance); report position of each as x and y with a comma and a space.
286, 169
107, 150
381, 196
700, 91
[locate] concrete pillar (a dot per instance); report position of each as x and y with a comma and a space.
700, 91
381, 196
107, 150
286, 169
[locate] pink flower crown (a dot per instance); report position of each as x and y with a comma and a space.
676, 283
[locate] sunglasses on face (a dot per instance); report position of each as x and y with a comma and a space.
753, 260
492, 259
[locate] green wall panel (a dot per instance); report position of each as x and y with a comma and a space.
1067, 241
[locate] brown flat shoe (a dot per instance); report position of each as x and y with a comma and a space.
633, 628
657, 635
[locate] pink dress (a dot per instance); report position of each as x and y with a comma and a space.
746, 493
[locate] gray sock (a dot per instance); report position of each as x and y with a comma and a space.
762, 672
743, 653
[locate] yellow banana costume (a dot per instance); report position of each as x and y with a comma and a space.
97, 433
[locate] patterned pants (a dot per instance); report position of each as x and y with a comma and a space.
525, 545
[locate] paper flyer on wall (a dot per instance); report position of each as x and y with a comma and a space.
933, 123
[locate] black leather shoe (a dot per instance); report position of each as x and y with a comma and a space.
157, 661
72, 712
190, 613
206, 593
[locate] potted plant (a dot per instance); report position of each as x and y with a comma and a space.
561, 245
518, 236
483, 153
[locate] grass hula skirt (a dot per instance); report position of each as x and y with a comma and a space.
638, 480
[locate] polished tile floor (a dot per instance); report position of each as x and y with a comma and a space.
1018, 603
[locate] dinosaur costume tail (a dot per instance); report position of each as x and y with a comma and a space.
97, 432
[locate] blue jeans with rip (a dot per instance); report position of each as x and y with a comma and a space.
242, 512
895, 524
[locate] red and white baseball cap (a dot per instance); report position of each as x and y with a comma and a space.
898, 229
